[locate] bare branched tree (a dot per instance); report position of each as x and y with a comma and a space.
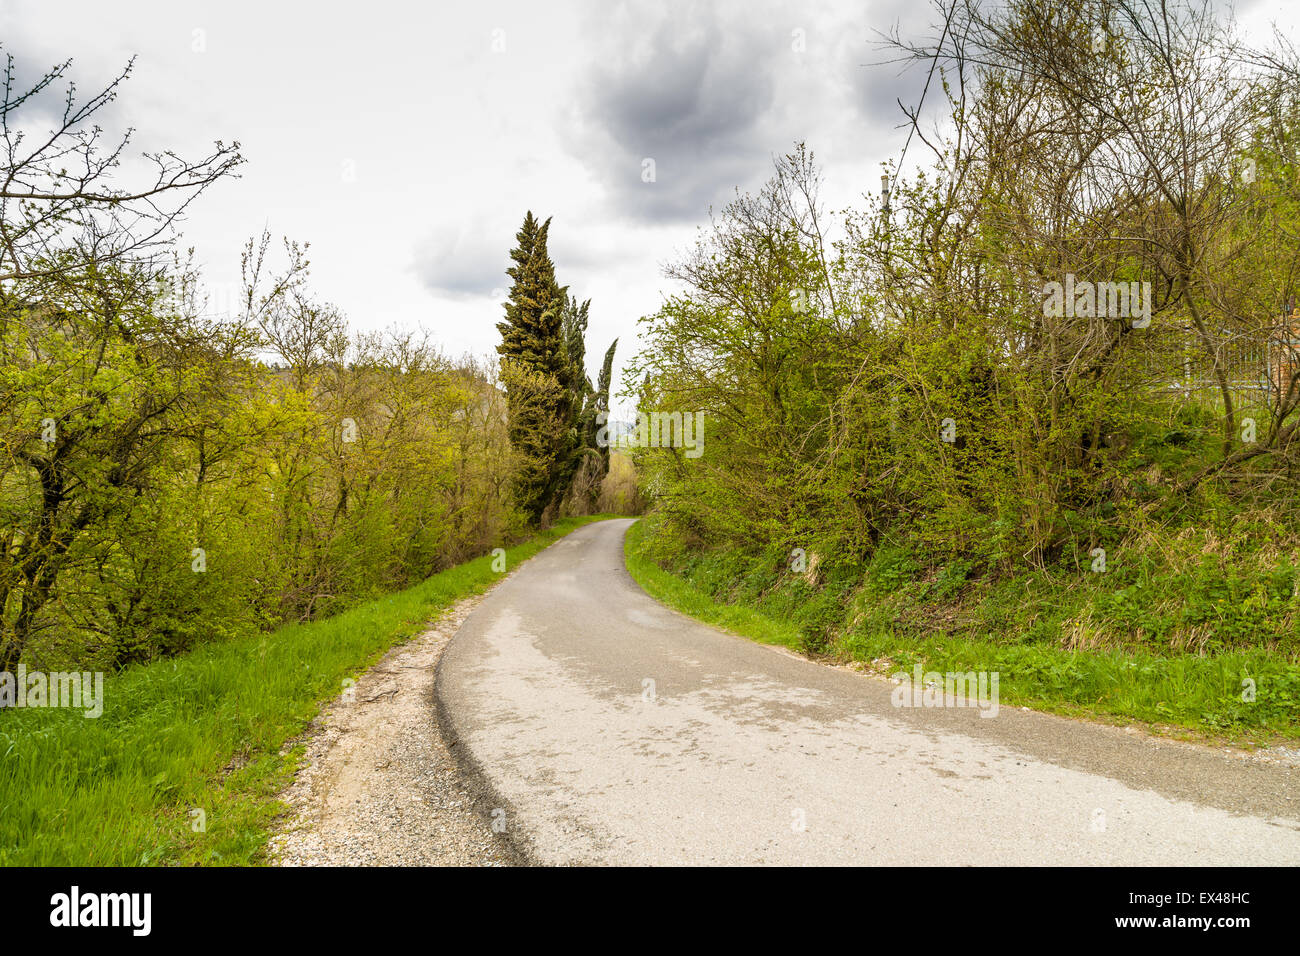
60, 209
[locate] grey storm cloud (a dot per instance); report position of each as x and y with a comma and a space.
881, 76
711, 92
878, 87
686, 87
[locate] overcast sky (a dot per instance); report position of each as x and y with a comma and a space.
405, 141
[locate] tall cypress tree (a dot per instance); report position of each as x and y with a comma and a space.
575, 346
578, 385
589, 460
532, 333
536, 371
601, 402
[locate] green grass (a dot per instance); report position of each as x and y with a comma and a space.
678, 593
200, 732
1188, 694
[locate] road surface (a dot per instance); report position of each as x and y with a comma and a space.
612, 730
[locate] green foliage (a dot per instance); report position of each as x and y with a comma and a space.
554, 412
538, 374
161, 487
205, 730
169, 477
955, 457
532, 334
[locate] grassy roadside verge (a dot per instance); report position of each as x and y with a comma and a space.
201, 732
678, 593
1190, 695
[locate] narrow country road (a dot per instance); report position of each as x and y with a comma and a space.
613, 730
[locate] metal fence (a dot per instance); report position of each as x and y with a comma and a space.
1258, 364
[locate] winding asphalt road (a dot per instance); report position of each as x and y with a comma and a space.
612, 730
